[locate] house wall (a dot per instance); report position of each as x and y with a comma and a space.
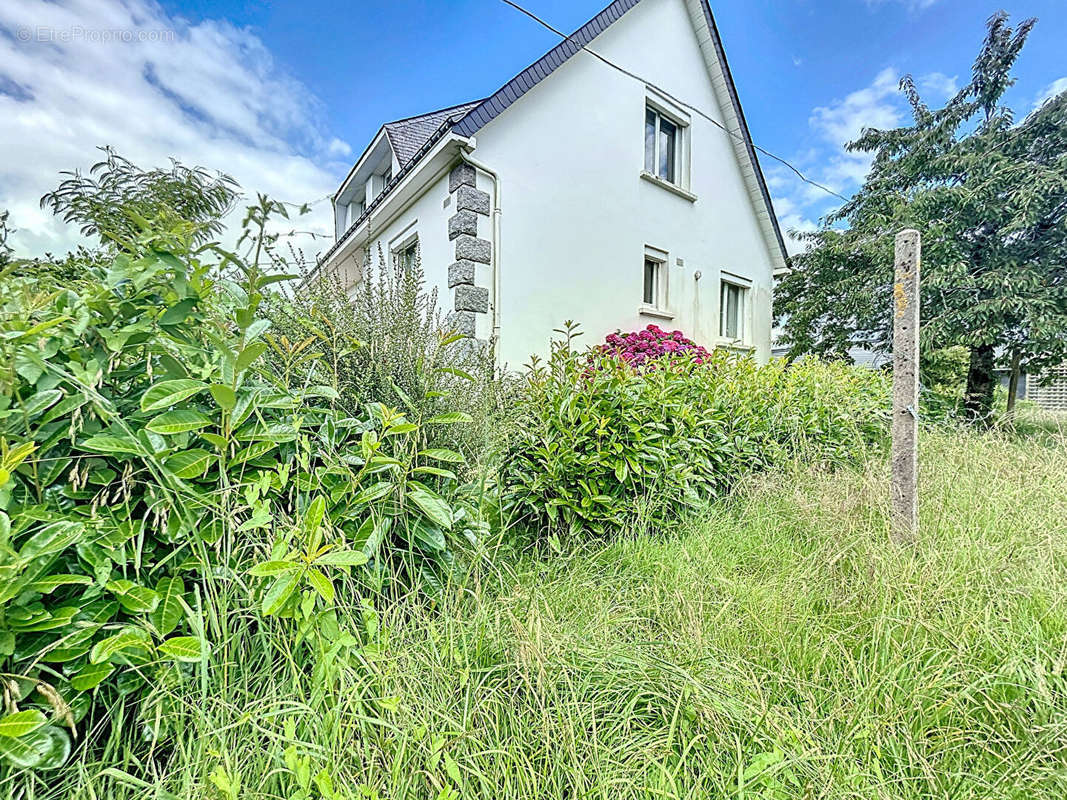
577, 216
428, 218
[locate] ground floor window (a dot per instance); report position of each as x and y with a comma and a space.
651, 282
408, 255
732, 305
654, 290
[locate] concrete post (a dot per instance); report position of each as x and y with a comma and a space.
905, 451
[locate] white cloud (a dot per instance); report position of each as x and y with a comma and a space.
938, 84
336, 147
77, 74
1050, 91
871, 107
879, 105
792, 220
842, 121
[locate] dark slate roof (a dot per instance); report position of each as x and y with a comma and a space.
415, 133
407, 136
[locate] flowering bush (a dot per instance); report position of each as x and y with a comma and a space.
639, 347
601, 446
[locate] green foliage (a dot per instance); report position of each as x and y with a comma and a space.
117, 200
149, 451
987, 196
943, 382
386, 342
601, 446
778, 647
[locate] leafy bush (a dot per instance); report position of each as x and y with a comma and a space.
150, 451
387, 342
601, 445
650, 345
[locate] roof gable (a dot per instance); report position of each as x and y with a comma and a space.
410, 138
487, 110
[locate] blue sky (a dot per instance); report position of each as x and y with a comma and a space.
285, 95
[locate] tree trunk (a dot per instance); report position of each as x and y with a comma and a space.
1013, 383
981, 380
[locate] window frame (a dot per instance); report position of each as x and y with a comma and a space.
663, 167
408, 241
662, 110
743, 287
650, 282
660, 305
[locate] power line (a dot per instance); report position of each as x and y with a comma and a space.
671, 97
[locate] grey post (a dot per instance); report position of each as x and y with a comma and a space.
905, 451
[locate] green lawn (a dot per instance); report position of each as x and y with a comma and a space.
780, 647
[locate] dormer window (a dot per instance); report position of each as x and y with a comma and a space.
379, 181
355, 210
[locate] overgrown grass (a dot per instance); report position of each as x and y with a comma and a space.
779, 648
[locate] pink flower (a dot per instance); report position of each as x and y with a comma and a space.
645, 348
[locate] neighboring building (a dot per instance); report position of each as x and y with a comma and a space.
1051, 396
579, 192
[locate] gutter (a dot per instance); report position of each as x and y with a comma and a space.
389, 188
383, 204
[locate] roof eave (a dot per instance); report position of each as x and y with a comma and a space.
382, 133
440, 153
745, 133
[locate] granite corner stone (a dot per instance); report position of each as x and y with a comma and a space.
471, 248
462, 272
472, 298
462, 223
461, 175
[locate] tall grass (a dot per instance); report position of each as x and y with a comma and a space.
780, 647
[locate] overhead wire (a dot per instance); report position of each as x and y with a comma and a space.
672, 98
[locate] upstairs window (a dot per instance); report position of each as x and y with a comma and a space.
661, 146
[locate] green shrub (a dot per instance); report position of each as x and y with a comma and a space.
150, 451
601, 445
387, 342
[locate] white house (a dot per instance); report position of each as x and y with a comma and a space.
614, 194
